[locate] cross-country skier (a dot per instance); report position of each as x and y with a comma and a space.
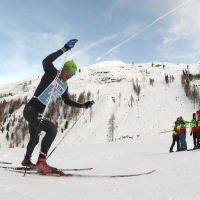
175, 137
36, 106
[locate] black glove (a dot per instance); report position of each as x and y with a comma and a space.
88, 104
190, 133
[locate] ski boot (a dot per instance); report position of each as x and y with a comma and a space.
42, 167
27, 163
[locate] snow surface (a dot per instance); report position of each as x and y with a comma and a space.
86, 145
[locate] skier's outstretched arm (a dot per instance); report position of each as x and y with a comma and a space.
72, 103
48, 61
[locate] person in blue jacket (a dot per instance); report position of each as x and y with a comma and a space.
182, 124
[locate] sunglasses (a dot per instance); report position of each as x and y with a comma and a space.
70, 72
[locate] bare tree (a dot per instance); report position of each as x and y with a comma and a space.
98, 95
132, 100
136, 88
120, 95
89, 96
151, 82
166, 79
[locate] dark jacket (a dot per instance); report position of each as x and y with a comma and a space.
44, 89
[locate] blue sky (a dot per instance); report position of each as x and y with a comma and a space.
137, 31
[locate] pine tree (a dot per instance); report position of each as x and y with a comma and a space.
136, 88
120, 95
151, 82
166, 79
4, 120
8, 127
97, 95
66, 124
13, 122
25, 100
111, 128
2, 129
12, 136
88, 96
82, 98
132, 100
7, 136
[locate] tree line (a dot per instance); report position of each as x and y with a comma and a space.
15, 127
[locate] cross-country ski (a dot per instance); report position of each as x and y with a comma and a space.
30, 169
85, 175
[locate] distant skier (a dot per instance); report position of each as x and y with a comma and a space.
36, 106
182, 132
193, 125
175, 138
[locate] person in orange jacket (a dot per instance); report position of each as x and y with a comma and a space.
175, 137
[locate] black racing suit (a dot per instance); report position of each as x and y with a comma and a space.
36, 106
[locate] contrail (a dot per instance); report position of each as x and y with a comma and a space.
142, 30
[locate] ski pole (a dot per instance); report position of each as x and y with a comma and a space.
65, 135
165, 131
67, 132
171, 130
5, 163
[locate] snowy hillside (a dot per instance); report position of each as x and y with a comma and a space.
138, 147
110, 84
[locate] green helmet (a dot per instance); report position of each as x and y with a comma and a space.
70, 66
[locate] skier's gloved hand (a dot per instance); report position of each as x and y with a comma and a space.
190, 133
70, 44
88, 104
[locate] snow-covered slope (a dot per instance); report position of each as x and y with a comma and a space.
111, 86
138, 146
176, 175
